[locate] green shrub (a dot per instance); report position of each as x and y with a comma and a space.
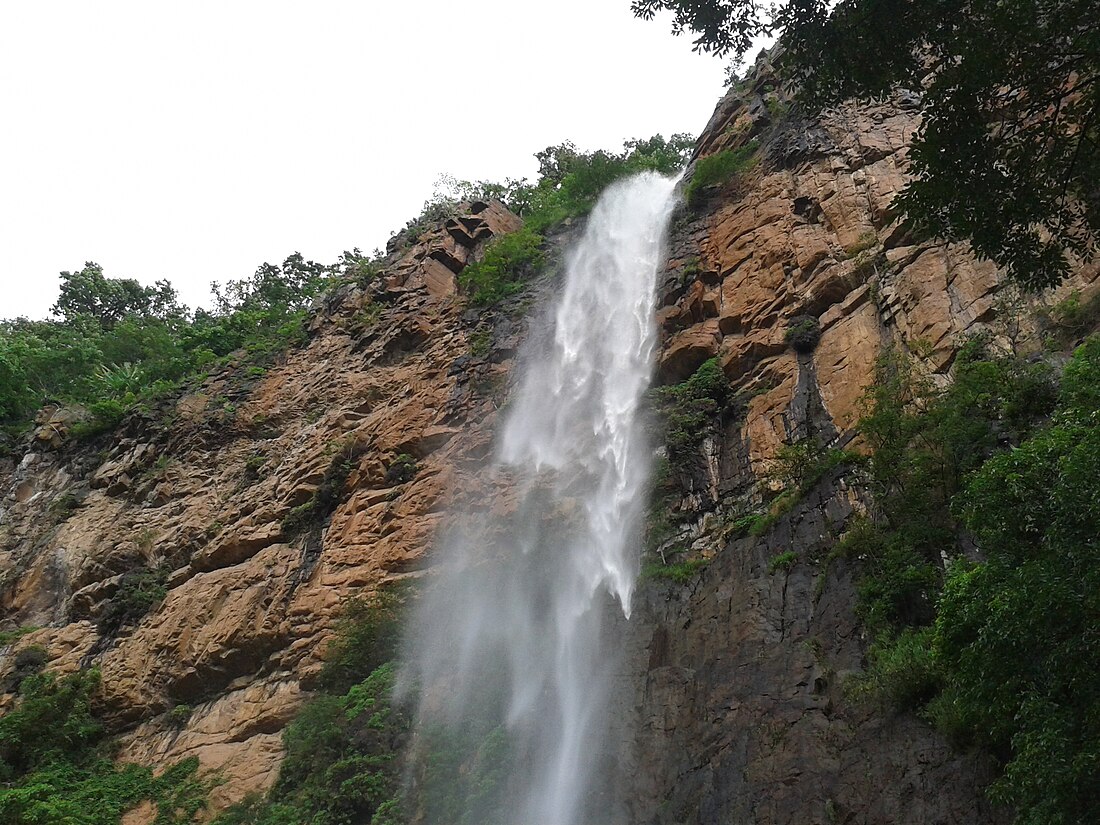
865, 241
1000, 652
803, 333
401, 470
719, 169
680, 572
341, 763
507, 260
366, 638
54, 765
1073, 317
687, 410
903, 672
179, 716
784, 561
138, 592
328, 495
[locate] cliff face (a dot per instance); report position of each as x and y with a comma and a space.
204, 496
735, 696
731, 701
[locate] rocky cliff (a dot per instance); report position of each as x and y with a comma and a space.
227, 498
262, 501
735, 695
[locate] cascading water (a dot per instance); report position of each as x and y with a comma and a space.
506, 648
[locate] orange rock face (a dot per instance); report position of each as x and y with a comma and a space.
203, 491
809, 230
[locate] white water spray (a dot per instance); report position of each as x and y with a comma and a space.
507, 646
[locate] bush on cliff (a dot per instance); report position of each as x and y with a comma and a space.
686, 410
718, 170
1001, 652
115, 343
56, 766
342, 749
569, 183
501, 271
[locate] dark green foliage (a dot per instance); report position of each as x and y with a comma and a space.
402, 469
328, 495
1072, 318
9, 636
902, 671
254, 466
366, 639
55, 769
1000, 652
1016, 633
138, 592
721, 27
341, 765
679, 572
88, 295
799, 466
65, 505
500, 273
464, 772
803, 333
924, 443
1008, 152
688, 410
179, 715
718, 170
118, 343
784, 561
569, 183
29, 661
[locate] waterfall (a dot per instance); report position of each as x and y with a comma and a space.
506, 648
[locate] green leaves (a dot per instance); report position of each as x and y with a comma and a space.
719, 169
569, 183
119, 342
1009, 659
500, 272
1008, 151
55, 768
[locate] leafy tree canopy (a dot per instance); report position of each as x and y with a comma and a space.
1008, 154
88, 294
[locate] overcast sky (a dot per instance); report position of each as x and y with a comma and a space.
193, 141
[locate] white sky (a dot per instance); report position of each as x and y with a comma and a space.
193, 141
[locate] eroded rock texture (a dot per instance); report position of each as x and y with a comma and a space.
730, 702
733, 697
201, 488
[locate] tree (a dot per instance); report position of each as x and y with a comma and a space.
1008, 153
1016, 635
90, 295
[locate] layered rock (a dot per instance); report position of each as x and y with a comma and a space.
732, 702
196, 493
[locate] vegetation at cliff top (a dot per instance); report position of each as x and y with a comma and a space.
1000, 649
56, 765
568, 185
1008, 153
116, 343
